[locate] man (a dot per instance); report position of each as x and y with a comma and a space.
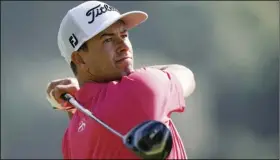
93, 39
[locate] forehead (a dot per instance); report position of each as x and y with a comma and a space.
119, 25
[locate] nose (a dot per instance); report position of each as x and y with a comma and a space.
122, 46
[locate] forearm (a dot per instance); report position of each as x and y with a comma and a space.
70, 115
71, 112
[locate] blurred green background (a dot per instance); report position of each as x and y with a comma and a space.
232, 48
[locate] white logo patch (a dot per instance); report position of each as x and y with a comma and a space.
82, 126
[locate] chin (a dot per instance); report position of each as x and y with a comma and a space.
125, 67
126, 71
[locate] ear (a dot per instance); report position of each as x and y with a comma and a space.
78, 60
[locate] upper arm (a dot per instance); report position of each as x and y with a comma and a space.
185, 77
156, 92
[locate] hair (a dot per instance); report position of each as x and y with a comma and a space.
73, 66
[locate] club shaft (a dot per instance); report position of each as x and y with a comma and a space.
87, 112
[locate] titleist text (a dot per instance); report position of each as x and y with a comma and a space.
99, 10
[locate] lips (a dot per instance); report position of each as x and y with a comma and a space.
121, 59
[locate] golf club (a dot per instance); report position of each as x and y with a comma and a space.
149, 140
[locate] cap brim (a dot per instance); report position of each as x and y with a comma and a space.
133, 18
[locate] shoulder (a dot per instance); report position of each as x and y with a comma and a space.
90, 91
144, 82
146, 77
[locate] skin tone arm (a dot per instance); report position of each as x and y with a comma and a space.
70, 115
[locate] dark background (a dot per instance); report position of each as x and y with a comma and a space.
232, 48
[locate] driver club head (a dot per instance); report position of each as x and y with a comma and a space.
149, 140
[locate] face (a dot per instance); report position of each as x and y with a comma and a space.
108, 56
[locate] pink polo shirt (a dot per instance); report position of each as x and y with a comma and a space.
146, 94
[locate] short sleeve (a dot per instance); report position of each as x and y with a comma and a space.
156, 92
176, 91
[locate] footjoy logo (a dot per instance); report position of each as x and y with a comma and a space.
99, 10
73, 40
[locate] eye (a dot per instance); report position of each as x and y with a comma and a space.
108, 40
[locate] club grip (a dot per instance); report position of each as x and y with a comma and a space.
66, 96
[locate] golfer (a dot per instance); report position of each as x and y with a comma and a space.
93, 38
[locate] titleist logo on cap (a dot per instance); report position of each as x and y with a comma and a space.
99, 10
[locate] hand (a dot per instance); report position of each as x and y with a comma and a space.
59, 86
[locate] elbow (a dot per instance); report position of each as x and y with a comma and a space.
188, 80
190, 84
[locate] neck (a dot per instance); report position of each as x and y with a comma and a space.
82, 79
128, 71
85, 78
88, 77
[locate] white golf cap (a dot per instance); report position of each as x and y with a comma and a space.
86, 20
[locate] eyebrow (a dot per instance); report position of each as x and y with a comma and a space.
106, 34
111, 34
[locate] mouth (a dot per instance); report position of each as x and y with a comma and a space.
122, 59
